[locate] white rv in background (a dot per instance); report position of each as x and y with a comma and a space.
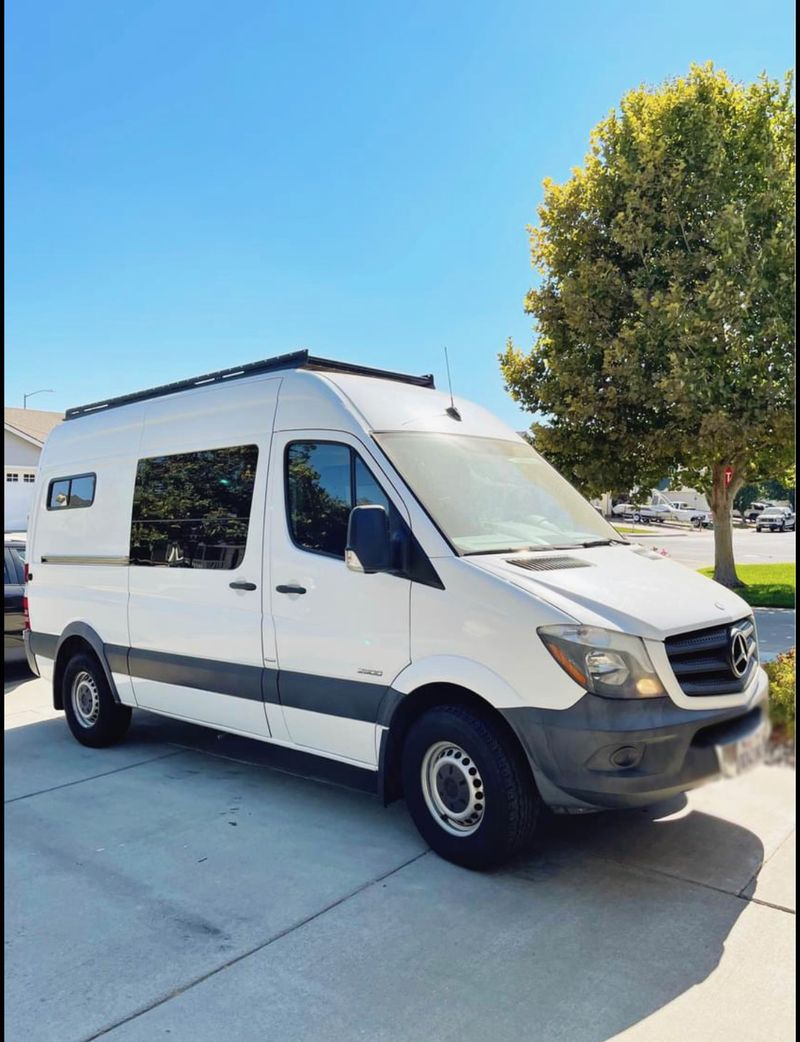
347, 563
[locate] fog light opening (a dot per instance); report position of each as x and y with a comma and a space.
626, 756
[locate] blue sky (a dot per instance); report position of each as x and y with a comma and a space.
193, 185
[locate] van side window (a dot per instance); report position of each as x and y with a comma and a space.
324, 481
368, 491
319, 496
192, 509
71, 493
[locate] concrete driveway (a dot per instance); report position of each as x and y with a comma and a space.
178, 887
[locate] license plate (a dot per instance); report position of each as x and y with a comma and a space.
748, 752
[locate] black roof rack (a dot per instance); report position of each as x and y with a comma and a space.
295, 360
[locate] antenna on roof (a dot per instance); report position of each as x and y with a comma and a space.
451, 409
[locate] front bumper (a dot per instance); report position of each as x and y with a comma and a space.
607, 753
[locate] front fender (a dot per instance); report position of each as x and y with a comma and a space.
454, 669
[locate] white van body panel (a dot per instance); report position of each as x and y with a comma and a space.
96, 595
653, 596
386, 406
476, 611
352, 741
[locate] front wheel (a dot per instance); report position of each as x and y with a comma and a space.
93, 716
468, 787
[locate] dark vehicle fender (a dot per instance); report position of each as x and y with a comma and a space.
75, 634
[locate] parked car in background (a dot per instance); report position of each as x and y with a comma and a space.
776, 519
676, 510
13, 588
754, 511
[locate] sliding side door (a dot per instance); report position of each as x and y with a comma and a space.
198, 647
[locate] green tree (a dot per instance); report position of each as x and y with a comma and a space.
664, 318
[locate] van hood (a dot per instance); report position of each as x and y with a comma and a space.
624, 587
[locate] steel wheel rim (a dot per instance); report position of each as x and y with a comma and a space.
453, 789
85, 697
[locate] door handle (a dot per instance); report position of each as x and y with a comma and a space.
290, 589
242, 586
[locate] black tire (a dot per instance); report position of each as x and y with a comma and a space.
102, 721
510, 805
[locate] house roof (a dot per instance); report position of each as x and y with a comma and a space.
31, 424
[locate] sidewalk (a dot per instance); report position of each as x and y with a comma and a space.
776, 631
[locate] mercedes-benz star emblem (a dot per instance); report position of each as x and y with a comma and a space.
740, 655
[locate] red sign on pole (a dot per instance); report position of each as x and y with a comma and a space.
728, 474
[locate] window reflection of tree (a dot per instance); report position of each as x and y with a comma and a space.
318, 517
192, 510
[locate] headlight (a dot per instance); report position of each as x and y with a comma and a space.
604, 662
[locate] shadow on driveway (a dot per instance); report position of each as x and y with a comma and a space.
14, 674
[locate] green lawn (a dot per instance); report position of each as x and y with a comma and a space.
767, 585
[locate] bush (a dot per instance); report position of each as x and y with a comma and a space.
781, 672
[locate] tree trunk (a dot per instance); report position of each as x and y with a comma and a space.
722, 497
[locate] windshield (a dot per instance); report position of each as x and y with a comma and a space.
488, 495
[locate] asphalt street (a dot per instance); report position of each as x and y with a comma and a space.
696, 549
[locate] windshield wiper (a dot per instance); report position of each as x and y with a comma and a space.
502, 550
544, 547
541, 548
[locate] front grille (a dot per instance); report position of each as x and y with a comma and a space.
703, 661
547, 564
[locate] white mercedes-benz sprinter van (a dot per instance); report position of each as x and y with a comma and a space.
345, 561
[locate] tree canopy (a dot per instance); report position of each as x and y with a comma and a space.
664, 318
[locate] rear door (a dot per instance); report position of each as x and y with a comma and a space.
342, 636
198, 646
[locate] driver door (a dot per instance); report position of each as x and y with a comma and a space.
341, 636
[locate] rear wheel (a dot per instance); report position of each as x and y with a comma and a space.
93, 716
468, 787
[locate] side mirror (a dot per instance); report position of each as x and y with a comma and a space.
368, 546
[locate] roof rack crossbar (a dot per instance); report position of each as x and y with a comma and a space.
293, 360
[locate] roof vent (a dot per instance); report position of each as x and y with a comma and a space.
547, 564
